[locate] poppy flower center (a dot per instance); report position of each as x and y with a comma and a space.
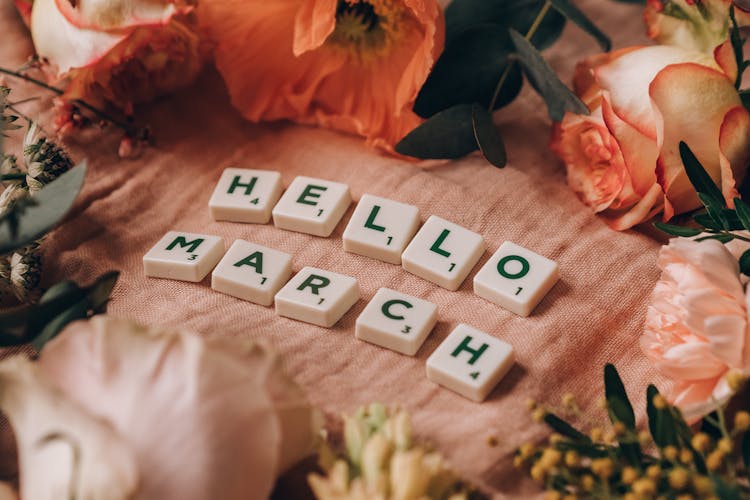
366, 28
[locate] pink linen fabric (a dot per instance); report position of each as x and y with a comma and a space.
593, 315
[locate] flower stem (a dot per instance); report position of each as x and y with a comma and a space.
512, 62
129, 128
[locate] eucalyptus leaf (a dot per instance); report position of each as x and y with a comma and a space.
448, 134
562, 427
745, 97
558, 97
77, 311
487, 136
746, 449
660, 421
685, 232
745, 263
52, 204
575, 15
743, 212
699, 178
618, 404
461, 15
468, 72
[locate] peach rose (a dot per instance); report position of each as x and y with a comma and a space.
122, 51
177, 416
697, 328
700, 25
351, 65
623, 159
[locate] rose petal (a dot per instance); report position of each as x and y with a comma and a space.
62, 449
106, 15
64, 45
208, 403
734, 151
724, 55
690, 102
627, 80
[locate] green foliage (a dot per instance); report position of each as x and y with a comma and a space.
28, 221
63, 303
625, 463
482, 66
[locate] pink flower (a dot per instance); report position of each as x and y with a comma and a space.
697, 328
119, 51
198, 418
623, 159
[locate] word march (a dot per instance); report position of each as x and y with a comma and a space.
469, 361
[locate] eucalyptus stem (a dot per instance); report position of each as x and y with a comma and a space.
124, 125
512, 62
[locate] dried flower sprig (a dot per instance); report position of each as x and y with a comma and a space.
669, 461
382, 461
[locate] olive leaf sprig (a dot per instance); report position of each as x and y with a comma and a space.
716, 221
670, 460
490, 46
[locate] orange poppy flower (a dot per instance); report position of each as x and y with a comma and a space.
351, 65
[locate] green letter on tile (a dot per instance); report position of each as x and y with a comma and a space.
520, 274
315, 283
386, 309
370, 224
439, 241
254, 260
464, 346
182, 243
308, 193
237, 184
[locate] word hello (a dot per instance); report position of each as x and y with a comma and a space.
469, 362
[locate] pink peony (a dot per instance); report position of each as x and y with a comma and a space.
697, 324
623, 159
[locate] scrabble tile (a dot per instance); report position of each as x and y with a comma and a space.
245, 195
443, 252
396, 321
381, 228
470, 362
317, 296
516, 278
183, 256
252, 272
312, 206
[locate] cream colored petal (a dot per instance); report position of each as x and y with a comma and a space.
105, 15
64, 451
213, 406
64, 45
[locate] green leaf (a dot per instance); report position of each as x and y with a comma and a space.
743, 212
631, 450
558, 97
714, 210
562, 427
726, 491
79, 310
722, 238
660, 421
745, 263
618, 404
52, 204
468, 71
24, 324
731, 217
448, 134
746, 449
461, 15
487, 136
575, 15
699, 178
591, 450
674, 230
745, 97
